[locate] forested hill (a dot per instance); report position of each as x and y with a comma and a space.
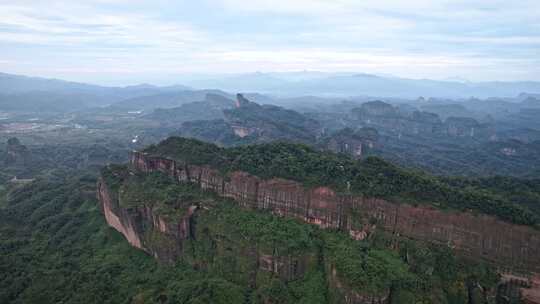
373, 177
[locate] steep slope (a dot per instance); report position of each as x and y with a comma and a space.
279, 260
371, 201
371, 177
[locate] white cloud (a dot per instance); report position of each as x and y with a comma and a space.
431, 8
416, 37
75, 24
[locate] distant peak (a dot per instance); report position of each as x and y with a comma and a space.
364, 75
141, 86
457, 79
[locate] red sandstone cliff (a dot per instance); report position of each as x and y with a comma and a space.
129, 222
167, 240
512, 247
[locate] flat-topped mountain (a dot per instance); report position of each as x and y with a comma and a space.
371, 177
389, 118
250, 122
156, 203
211, 107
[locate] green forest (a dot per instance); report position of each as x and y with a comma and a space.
56, 247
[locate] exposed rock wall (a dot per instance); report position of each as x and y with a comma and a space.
115, 221
194, 239
514, 289
511, 247
390, 119
131, 223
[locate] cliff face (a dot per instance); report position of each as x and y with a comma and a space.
512, 248
388, 118
352, 142
198, 235
203, 239
131, 223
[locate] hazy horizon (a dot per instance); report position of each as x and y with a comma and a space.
120, 42
187, 79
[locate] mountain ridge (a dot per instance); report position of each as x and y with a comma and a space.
294, 84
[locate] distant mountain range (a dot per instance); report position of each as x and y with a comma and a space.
16, 84
21, 93
342, 85
40, 94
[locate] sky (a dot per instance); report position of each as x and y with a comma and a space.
158, 41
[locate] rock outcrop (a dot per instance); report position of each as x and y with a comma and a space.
130, 222
390, 119
511, 247
352, 142
200, 237
250, 122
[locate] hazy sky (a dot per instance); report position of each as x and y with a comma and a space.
115, 41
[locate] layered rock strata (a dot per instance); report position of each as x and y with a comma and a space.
513, 248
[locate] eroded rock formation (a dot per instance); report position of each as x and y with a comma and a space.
513, 247
392, 119
352, 142
130, 222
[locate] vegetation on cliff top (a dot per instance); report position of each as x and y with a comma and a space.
283, 235
372, 177
158, 191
